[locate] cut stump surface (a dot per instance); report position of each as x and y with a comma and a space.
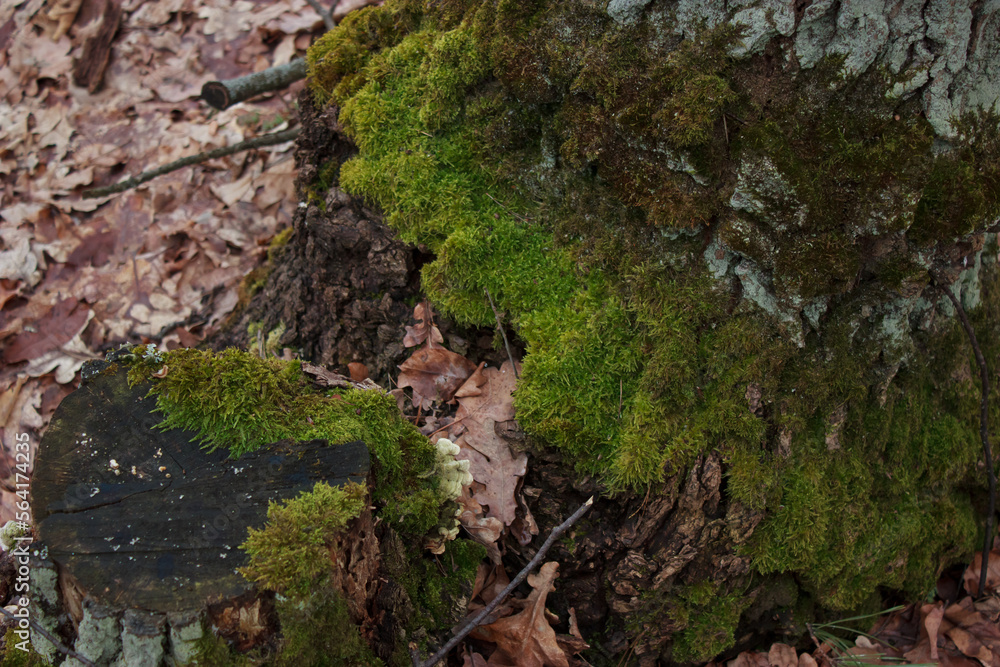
144, 518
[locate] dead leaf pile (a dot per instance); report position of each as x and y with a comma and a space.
493, 505
484, 396
965, 633
162, 263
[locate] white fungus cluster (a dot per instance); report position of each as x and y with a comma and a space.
10, 531
454, 475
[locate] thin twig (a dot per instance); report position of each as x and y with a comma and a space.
496, 314
481, 616
325, 14
136, 181
48, 635
984, 376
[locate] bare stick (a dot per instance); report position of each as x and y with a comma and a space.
984, 376
37, 627
325, 14
136, 181
224, 94
481, 616
502, 333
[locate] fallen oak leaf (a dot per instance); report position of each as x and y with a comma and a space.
487, 399
358, 371
483, 529
527, 638
434, 373
58, 326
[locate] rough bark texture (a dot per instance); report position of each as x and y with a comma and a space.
342, 283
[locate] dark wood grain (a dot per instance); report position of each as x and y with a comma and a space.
159, 528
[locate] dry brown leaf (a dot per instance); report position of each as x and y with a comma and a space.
434, 373
56, 328
971, 576
574, 626
473, 660
9, 397
491, 579
806, 660
358, 371
933, 615
486, 398
345, 7
424, 328
782, 655
749, 659
526, 639
483, 529
970, 645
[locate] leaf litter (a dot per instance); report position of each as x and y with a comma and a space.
162, 263
953, 633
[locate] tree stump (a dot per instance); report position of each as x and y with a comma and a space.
722, 233
140, 528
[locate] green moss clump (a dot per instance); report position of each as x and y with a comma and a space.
963, 189
213, 651
15, 657
278, 243
711, 620
439, 598
318, 631
291, 552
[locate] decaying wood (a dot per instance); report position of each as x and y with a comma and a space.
144, 518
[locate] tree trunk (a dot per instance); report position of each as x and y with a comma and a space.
723, 250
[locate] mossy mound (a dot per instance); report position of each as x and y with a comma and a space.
701, 254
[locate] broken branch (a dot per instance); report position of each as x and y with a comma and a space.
224, 94
136, 181
515, 582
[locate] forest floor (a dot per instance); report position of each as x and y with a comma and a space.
164, 263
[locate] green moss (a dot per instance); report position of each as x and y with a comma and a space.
439, 590
711, 621
963, 189
547, 155
278, 243
213, 651
291, 553
14, 657
318, 631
